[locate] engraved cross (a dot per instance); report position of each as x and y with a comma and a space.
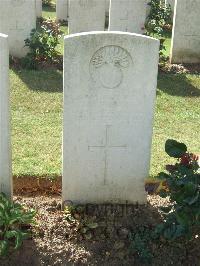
106, 147
16, 27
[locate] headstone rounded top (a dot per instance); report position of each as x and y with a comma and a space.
109, 33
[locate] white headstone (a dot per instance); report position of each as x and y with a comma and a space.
186, 32
107, 7
109, 91
86, 15
17, 19
38, 8
5, 149
62, 9
128, 15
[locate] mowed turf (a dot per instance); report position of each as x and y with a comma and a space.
37, 119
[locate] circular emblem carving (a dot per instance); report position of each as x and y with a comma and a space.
107, 65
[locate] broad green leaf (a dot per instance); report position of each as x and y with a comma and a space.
175, 149
3, 247
163, 176
17, 235
92, 225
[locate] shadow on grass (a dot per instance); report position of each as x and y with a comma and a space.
42, 80
177, 85
49, 9
167, 34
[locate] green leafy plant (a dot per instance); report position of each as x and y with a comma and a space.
159, 17
140, 243
183, 189
46, 3
75, 215
42, 44
14, 223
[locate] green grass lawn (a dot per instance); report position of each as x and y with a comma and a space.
37, 116
167, 43
49, 11
37, 119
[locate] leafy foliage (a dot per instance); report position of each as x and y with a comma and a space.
42, 44
85, 224
140, 242
183, 189
46, 3
13, 219
159, 17
175, 149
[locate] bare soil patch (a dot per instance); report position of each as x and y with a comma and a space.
59, 241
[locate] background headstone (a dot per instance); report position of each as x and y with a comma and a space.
109, 91
128, 15
5, 149
38, 8
186, 32
86, 15
17, 19
62, 9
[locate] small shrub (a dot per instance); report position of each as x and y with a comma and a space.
46, 3
183, 189
42, 44
85, 225
158, 20
14, 221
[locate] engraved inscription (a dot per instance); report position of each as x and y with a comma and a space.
107, 65
87, 3
17, 27
18, 3
106, 147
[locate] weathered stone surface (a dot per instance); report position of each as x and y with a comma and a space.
186, 32
128, 15
107, 7
38, 8
109, 90
17, 19
62, 7
5, 149
86, 15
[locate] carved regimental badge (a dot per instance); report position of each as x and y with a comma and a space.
108, 64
